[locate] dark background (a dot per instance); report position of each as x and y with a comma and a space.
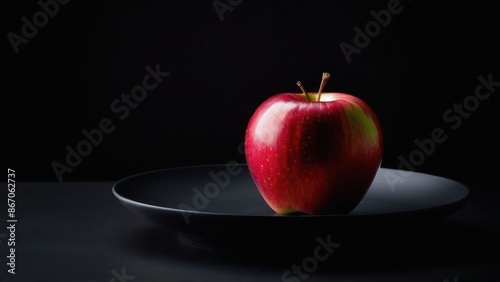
65, 79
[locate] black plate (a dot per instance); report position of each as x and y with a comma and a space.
232, 209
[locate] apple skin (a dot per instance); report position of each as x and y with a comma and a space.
313, 157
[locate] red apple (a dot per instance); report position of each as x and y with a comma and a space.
315, 153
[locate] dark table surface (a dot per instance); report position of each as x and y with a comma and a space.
78, 231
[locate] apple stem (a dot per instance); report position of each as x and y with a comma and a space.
301, 86
324, 80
